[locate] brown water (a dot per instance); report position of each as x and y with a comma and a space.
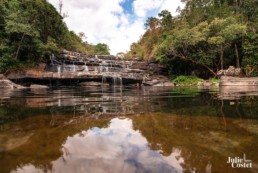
115, 130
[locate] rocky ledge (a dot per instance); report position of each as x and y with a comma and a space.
238, 81
98, 70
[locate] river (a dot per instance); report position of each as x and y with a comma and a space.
128, 129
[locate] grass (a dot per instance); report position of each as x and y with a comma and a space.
187, 80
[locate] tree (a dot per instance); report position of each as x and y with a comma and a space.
223, 34
152, 23
18, 25
166, 21
102, 49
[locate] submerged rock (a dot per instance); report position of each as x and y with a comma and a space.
34, 86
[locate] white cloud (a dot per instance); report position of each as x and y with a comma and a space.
171, 5
141, 7
105, 21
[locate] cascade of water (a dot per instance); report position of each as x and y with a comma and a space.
96, 69
117, 80
74, 67
85, 67
58, 69
100, 68
104, 79
103, 66
52, 57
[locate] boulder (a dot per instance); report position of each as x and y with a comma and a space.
151, 82
5, 83
231, 71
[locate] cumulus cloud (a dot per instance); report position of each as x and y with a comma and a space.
142, 7
106, 21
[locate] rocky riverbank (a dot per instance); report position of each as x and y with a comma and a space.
238, 81
86, 71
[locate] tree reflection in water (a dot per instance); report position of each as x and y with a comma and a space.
165, 130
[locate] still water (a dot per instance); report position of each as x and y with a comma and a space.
130, 130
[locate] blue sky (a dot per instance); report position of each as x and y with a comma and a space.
117, 23
127, 6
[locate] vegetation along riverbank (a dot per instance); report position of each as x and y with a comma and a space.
204, 38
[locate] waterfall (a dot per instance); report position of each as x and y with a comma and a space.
52, 58
74, 67
58, 69
85, 68
104, 79
117, 80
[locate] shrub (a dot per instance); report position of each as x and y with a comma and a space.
186, 80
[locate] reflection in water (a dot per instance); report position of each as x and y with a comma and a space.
117, 148
187, 130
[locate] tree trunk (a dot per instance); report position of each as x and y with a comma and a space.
19, 47
237, 57
221, 57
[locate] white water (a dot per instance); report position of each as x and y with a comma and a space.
85, 68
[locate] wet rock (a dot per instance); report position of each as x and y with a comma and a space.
157, 80
151, 82
34, 86
237, 81
93, 84
165, 84
5, 83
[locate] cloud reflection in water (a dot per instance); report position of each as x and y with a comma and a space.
115, 149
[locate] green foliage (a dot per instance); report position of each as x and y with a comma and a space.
30, 30
211, 35
250, 62
215, 80
187, 80
102, 49
166, 20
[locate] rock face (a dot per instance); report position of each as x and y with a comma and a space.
5, 83
72, 69
231, 71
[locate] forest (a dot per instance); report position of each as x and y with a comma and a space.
205, 37
30, 30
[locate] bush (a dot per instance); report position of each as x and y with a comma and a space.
186, 80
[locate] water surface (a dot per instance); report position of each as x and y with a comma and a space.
115, 129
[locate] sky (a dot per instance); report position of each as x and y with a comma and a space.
117, 23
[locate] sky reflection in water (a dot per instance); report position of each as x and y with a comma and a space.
162, 130
117, 148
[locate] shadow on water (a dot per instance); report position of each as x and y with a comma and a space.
127, 130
